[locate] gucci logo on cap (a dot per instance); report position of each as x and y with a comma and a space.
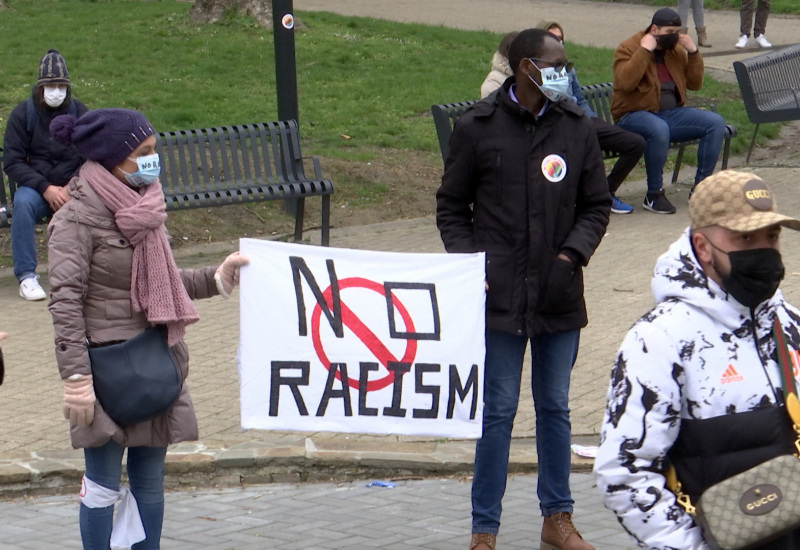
757, 195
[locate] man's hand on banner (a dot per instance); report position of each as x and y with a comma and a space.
227, 275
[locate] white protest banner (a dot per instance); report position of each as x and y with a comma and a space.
362, 342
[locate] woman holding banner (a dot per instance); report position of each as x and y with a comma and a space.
113, 278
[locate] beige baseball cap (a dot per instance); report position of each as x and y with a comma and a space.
738, 201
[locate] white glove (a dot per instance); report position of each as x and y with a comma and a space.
78, 406
227, 274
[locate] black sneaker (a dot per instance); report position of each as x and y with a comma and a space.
657, 202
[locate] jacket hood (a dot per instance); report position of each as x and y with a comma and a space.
547, 24
500, 63
678, 276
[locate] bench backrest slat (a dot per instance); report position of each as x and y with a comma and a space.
599, 98
445, 116
231, 164
770, 85
4, 198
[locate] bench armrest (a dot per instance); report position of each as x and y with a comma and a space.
316, 164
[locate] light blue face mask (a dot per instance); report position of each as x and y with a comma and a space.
149, 169
555, 84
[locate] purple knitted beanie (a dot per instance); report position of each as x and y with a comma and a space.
107, 136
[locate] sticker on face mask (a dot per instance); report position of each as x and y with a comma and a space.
288, 21
554, 168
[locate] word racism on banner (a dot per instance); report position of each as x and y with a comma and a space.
356, 341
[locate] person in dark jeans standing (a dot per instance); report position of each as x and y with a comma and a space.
525, 183
653, 69
746, 17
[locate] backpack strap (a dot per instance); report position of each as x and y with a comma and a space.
30, 111
32, 114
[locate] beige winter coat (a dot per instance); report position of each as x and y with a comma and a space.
501, 70
90, 299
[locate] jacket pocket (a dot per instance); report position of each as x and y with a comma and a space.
563, 288
115, 258
500, 274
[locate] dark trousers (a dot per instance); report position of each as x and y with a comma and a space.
746, 16
628, 145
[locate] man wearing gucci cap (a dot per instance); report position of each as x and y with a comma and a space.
696, 383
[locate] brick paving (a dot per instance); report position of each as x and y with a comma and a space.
425, 513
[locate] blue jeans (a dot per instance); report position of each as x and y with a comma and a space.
29, 206
146, 477
552, 358
678, 124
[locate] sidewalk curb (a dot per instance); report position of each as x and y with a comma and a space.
306, 460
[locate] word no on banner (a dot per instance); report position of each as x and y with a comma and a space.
362, 342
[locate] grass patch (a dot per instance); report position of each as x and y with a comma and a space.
363, 84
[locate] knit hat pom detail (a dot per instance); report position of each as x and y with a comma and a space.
61, 129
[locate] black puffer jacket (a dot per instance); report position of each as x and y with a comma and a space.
35, 160
495, 197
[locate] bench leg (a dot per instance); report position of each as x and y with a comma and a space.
298, 220
326, 220
752, 143
678, 162
726, 153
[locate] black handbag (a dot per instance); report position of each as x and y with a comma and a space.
137, 379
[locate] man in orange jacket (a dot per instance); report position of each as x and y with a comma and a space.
652, 71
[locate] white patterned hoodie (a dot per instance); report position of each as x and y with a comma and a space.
693, 356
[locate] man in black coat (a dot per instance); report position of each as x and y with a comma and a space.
40, 167
525, 182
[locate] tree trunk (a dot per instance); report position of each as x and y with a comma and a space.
209, 11
3, 5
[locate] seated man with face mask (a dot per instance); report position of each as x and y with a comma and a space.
40, 167
652, 71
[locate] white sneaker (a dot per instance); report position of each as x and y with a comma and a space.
30, 289
742, 43
761, 40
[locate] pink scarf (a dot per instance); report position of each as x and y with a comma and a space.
156, 285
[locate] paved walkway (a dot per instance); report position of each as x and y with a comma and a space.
34, 448
424, 513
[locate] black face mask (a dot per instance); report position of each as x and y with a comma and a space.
667, 41
755, 275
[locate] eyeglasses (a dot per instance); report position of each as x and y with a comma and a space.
557, 65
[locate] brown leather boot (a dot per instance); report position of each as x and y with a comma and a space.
702, 37
558, 533
482, 541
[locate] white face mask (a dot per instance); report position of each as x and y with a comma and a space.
54, 96
555, 85
149, 169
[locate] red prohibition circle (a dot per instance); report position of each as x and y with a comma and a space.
369, 338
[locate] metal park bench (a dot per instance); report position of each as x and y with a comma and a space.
599, 98
229, 165
770, 87
240, 164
